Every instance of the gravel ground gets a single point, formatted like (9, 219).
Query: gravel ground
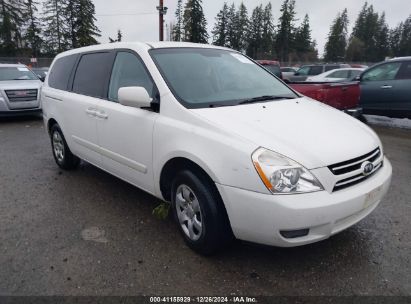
(89, 233)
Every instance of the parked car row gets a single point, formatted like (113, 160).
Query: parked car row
(383, 89)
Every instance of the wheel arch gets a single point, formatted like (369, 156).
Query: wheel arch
(175, 165)
(50, 123)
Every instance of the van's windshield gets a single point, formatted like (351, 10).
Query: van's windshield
(201, 77)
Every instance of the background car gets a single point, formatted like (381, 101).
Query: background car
(315, 69)
(386, 88)
(272, 66)
(287, 72)
(19, 90)
(336, 75)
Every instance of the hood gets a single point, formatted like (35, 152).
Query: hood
(20, 84)
(309, 132)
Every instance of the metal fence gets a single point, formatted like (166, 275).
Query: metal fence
(38, 62)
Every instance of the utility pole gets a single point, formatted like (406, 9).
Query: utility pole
(162, 10)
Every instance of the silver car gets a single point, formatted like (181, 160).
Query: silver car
(19, 90)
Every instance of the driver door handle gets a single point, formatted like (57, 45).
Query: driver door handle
(91, 112)
(102, 115)
(386, 87)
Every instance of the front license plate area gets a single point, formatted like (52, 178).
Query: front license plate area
(371, 197)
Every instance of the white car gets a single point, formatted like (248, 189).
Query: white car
(287, 72)
(19, 90)
(344, 74)
(235, 151)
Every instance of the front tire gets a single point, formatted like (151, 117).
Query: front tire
(61, 152)
(199, 213)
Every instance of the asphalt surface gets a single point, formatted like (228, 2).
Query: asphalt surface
(89, 233)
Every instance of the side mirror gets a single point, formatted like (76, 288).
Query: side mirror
(357, 78)
(296, 74)
(136, 97)
(42, 78)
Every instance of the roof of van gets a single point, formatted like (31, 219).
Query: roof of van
(139, 45)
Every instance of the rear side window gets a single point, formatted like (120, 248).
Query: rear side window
(339, 74)
(315, 70)
(405, 71)
(92, 74)
(331, 67)
(60, 73)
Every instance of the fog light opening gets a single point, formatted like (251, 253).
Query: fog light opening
(292, 234)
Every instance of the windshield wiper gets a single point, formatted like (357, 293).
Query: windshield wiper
(265, 98)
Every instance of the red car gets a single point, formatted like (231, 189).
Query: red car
(343, 96)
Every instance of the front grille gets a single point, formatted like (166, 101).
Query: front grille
(21, 95)
(350, 172)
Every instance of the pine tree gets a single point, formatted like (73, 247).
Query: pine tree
(241, 29)
(365, 30)
(231, 27)
(382, 39)
(55, 32)
(194, 22)
(405, 44)
(336, 44)
(303, 43)
(177, 32)
(355, 50)
(32, 35)
(395, 39)
(85, 27)
(255, 32)
(220, 30)
(286, 30)
(11, 20)
(268, 32)
(119, 37)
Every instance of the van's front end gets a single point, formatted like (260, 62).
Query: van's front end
(303, 206)
(290, 170)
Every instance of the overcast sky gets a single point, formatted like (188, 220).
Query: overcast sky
(138, 19)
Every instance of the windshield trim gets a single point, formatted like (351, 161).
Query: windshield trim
(215, 104)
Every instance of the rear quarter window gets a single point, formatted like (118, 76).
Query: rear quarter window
(60, 73)
(315, 70)
(331, 67)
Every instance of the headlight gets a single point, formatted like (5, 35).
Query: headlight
(282, 175)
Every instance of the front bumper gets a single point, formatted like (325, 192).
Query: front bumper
(259, 218)
(24, 112)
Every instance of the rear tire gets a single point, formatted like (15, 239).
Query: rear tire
(199, 213)
(61, 152)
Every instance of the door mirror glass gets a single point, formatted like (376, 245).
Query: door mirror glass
(136, 97)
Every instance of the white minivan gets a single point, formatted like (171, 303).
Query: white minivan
(235, 151)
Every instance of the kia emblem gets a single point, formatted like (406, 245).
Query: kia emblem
(367, 168)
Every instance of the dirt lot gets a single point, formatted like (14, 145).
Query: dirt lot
(89, 233)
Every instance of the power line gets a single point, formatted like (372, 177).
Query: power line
(124, 14)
